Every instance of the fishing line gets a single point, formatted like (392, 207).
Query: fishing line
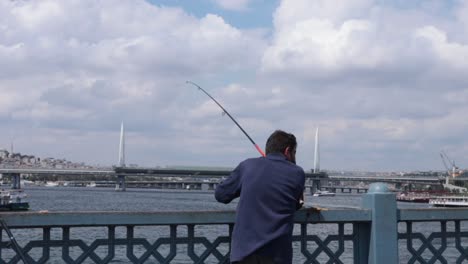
(230, 116)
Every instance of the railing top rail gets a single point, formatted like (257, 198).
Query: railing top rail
(332, 215)
(51, 219)
(306, 215)
(432, 214)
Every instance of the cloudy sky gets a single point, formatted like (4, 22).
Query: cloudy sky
(385, 81)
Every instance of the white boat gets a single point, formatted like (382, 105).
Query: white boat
(51, 184)
(449, 201)
(323, 193)
(28, 183)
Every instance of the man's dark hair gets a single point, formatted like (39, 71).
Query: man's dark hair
(279, 141)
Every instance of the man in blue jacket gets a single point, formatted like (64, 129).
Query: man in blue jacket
(270, 190)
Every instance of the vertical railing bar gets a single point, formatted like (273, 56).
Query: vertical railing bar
(66, 244)
(355, 240)
(341, 239)
(459, 246)
(231, 229)
(173, 245)
(303, 242)
(361, 242)
(1, 243)
(409, 242)
(443, 242)
(191, 242)
(110, 244)
(46, 247)
(130, 235)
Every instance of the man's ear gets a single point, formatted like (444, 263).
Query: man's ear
(287, 152)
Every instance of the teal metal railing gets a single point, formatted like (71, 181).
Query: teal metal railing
(376, 233)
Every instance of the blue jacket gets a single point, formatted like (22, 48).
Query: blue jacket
(269, 190)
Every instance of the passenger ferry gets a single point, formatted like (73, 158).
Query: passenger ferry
(413, 197)
(12, 201)
(449, 201)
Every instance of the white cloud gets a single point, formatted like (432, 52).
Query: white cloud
(452, 53)
(382, 81)
(374, 76)
(317, 40)
(317, 43)
(462, 14)
(85, 65)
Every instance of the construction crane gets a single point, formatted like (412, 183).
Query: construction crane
(451, 171)
(445, 163)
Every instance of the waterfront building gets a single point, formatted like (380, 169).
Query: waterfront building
(4, 153)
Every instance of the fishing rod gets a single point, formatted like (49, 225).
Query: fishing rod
(230, 116)
(16, 246)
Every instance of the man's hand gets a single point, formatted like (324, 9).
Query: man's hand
(316, 208)
(300, 203)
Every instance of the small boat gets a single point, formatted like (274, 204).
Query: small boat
(323, 193)
(449, 201)
(91, 184)
(51, 184)
(11, 201)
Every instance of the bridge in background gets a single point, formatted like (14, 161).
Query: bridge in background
(15, 173)
(333, 183)
(196, 178)
(41, 171)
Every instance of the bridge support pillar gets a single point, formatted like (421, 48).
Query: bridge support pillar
(120, 185)
(383, 246)
(15, 181)
(315, 186)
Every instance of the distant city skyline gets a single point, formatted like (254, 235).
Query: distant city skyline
(384, 81)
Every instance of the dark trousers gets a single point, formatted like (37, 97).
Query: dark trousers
(255, 259)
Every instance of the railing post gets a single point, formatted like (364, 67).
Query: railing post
(383, 248)
(120, 184)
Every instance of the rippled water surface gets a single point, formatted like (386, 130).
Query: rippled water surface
(107, 199)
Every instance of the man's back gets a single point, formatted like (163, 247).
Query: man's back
(269, 190)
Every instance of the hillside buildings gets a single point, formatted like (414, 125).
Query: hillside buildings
(8, 159)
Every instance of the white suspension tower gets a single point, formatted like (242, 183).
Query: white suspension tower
(122, 146)
(317, 154)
